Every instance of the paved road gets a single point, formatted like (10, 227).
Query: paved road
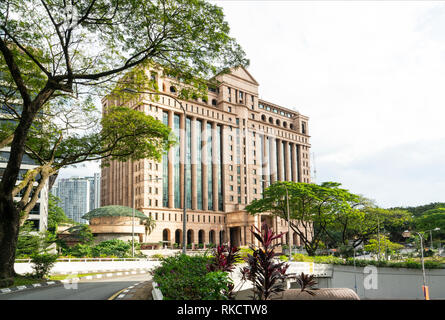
(86, 290)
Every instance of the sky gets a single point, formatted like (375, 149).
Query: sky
(371, 78)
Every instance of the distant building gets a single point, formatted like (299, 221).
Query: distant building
(39, 214)
(78, 195)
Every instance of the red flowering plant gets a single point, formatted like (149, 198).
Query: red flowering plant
(224, 260)
(268, 277)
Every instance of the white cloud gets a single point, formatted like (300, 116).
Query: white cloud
(370, 77)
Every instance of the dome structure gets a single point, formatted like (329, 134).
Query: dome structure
(113, 211)
(116, 222)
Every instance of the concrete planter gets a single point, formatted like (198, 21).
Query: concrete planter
(320, 294)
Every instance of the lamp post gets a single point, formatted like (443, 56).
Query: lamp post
(184, 218)
(425, 287)
(288, 223)
(288, 219)
(134, 210)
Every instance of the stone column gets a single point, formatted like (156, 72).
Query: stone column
(223, 166)
(299, 163)
(194, 146)
(182, 155)
(272, 159)
(287, 161)
(214, 168)
(279, 154)
(266, 163)
(294, 162)
(171, 191)
(205, 189)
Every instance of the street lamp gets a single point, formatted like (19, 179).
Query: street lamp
(134, 210)
(431, 236)
(288, 219)
(288, 222)
(184, 219)
(425, 287)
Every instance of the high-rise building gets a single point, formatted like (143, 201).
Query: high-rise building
(39, 213)
(94, 191)
(78, 195)
(236, 145)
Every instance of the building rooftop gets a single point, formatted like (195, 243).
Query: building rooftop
(113, 211)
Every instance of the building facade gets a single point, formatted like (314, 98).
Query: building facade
(236, 145)
(78, 195)
(39, 213)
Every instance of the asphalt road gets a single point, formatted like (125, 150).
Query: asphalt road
(86, 290)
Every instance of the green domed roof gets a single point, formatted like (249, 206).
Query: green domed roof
(113, 211)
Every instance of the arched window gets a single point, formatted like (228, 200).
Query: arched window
(201, 236)
(213, 102)
(263, 117)
(172, 89)
(270, 120)
(291, 126)
(277, 122)
(285, 124)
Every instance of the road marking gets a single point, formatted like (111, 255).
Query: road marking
(116, 294)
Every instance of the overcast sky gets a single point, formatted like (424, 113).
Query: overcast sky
(371, 77)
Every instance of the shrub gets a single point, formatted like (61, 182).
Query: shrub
(81, 250)
(183, 277)
(42, 264)
(114, 247)
(327, 260)
(302, 257)
(266, 275)
(243, 253)
(157, 256)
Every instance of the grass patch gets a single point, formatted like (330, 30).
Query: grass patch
(20, 280)
(70, 276)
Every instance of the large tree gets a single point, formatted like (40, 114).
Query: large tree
(312, 207)
(430, 220)
(355, 227)
(57, 55)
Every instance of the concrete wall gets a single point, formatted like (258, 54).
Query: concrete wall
(392, 283)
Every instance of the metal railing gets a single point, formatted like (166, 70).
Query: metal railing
(88, 259)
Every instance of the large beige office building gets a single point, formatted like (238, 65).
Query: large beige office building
(237, 144)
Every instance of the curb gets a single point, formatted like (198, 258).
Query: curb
(117, 273)
(157, 293)
(30, 286)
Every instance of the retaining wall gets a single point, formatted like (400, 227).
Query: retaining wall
(391, 283)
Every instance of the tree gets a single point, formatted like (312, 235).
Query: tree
(57, 55)
(382, 244)
(361, 224)
(312, 208)
(149, 225)
(431, 219)
(56, 215)
(31, 241)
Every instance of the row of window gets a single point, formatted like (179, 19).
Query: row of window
(201, 218)
(280, 112)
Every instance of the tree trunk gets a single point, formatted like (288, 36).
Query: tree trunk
(9, 230)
